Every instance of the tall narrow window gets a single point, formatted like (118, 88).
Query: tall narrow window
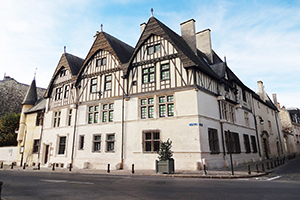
(244, 95)
(213, 141)
(224, 111)
(246, 116)
(93, 115)
(58, 93)
(103, 61)
(81, 142)
(62, 145)
(232, 142)
(70, 117)
(56, 119)
(147, 108)
(148, 75)
(94, 85)
(247, 143)
(166, 106)
(151, 140)
(108, 112)
(110, 142)
(270, 126)
(67, 88)
(39, 119)
(231, 113)
(96, 143)
(165, 72)
(107, 84)
(253, 142)
(36, 145)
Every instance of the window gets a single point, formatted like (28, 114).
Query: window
(148, 75)
(224, 111)
(93, 85)
(63, 72)
(67, 88)
(213, 141)
(253, 143)
(96, 143)
(244, 95)
(165, 72)
(147, 108)
(246, 116)
(93, 114)
(100, 62)
(153, 49)
(270, 126)
(258, 105)
(151, 140)
(166, 106)
(103, 61)
(247, 143)
(36, 144)
(62, 145)
(107, 85)
(58, 93)
(110, 142)
(232, 142)
(108, 112)
(39, 119)
(56, 119)
(70, 117)
(231, 113)
(81, 142)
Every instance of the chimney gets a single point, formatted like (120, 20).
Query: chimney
(275, 100)
(261, 90)
(143, 26)
(188, 33)
(204, 43)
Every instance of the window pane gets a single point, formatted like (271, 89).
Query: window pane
(143, 101)
(165, 66)
(165, 75)
(110, 137)
(157, 48)
(148, 136)
(145, 71)
(170, 98)
(143, 113)
(151, 69)
(151, 78)
(108, 78)
(151, 111)
(170, 110)
(103, 61)
(108, 86)
(105, 107)
(156, 145)
(162, 99)
(162, 110)
(110, 146)
(90, 118)
(156, 135)
(150, 50)
(145, 78)
(147, 146)
(91, 109)
(150, 101)
(98, 62)
(104, 116)
(111, 106)
(97, 137)
(96, 117)
(111, 116)
(94, 81)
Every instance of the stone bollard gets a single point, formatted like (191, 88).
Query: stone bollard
(132, 168)
(248, 169)
(1, 183)
(204, 169)
(262, 167)
(53, 166)
(256, 168)
(108, 168)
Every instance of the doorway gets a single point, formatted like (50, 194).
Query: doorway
(46, 154)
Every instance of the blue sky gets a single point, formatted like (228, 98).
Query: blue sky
(260, 39)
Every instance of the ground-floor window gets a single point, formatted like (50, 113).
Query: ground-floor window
(110, 142)
(151, 140)
(36, 145)
(96, 143)
(213, 141)
(232, 142)
(247, 143)
(62, 145)
(253, 142)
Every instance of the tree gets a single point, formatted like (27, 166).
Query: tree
(165, 152)
(8, 124)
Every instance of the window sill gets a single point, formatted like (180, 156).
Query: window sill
(109, 151)
(96, 151)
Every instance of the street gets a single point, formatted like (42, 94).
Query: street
(282, 184)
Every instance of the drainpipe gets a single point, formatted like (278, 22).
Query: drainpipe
(222, 129)
(255, 123)
(278, 132)
(41, 136)
(74, 132)
(122, 147)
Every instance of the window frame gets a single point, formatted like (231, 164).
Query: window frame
(247, 143)
(93, 86)
(81, 142)
(36, 146)
(162, 76)
(96, 141)
(148, 74)
(107, 112)
(107, 83)
(213, 139)
(164, 103)
(147, 108)
(154, 142)
(58, 93)
(93, 114)
(66, 92)
(56, 119)
(62, 145)
(109, 142)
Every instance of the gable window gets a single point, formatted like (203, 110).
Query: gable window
(62, 145)
(58, 93)
(213, 141)
(153, 49)
(70, 117)
(36, 144)
(247, 143)
(67, 88)
(93, 85)
(165, 72)
(107, 84)
(110, 142)
(232, 142)
(101, 61)
(253, 143)
(166, 106)
(96, 143)
(108, 112)
(56, 119)
(63, 73)
(147, 108)
(93, 114)
(81, 142)
(148, 75)
(151, 140)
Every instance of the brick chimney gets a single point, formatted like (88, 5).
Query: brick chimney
(143, 26)
(188, 33)
(261, 92)
(275, 101)
(203, 40)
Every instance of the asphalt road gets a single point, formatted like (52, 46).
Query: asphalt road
(20, 185)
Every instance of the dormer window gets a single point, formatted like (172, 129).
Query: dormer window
(63, 73)
(100, 62)
(153, 49)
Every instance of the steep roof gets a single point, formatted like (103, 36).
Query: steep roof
(31, 95)
(39, 106)
(74, 63)
(186, 54)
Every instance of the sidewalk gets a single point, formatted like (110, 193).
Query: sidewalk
(241, 171)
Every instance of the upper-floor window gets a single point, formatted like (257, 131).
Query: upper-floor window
(165, 72)
(246, 117)
(70, 117)
(63, 72)
(107, 84)
(258, 105)
(56, 119)
(153, 49)
(148, 75)
(147, 108)
(93, 114)
(93, 85)
(224, 110)
(58, 93)
(108, 112)
(244, 95)
(66, 94)
(101, 61)
(231, 113)
(166, 106)
(270, 126)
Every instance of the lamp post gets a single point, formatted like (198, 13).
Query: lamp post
(22, 150)
(230, 151)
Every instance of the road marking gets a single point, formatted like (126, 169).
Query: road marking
(65, 181)
(273, 178)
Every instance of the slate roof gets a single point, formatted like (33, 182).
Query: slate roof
(31, 95)
(74, 62)
(39, 106)
(186, 54)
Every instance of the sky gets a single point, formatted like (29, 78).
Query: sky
(260, 38)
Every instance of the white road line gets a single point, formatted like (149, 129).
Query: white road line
(65, 181)
(273, 178)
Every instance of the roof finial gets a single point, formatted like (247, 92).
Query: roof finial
(101, 29)
(65, 49)
(34, 74)
(152, 12)
(225, 59)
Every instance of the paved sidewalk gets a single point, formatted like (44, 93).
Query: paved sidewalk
(240, 171)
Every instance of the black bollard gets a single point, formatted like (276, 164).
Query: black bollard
(24, 166)
(248, 169)
(39, 166)
(108, 168)
(204, 169)
(70, 168)
(12, 165)
(53, 166)
(1, 165)
(132, 168)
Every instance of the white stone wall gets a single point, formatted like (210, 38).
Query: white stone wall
(8, 154)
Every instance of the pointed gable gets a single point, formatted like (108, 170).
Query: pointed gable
(185, 53)
(31, 95)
